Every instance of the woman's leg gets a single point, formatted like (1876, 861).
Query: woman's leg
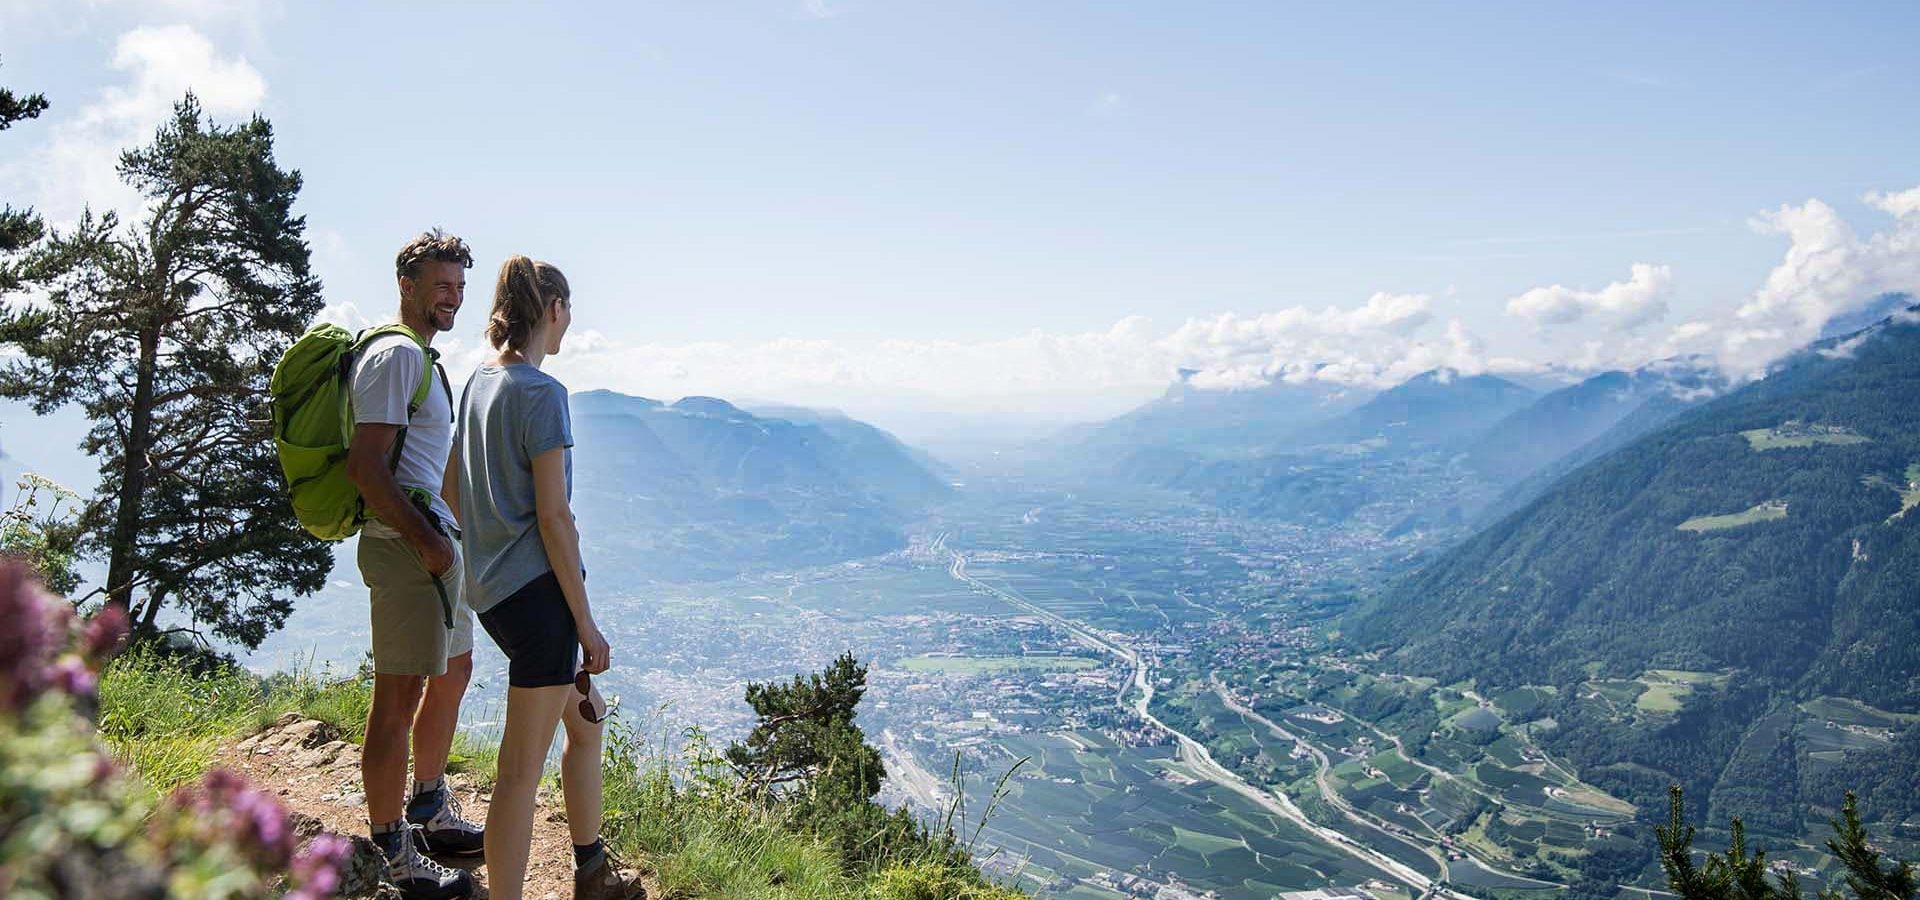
(580, 777)
(531, 716)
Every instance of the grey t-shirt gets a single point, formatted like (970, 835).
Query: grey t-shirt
(385, 376)
(508, 416)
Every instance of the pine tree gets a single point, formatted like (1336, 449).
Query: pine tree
(1734, 874)
(804, 736)
(164, 331)
(18, 227)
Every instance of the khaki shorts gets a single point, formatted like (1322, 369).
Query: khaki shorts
(410, 633)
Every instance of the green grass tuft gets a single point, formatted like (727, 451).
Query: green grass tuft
(164, 715)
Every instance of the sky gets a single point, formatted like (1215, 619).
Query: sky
(1040, 212)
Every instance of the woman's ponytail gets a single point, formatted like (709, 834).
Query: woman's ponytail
(521, 297)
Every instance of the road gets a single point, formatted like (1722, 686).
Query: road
(1192, 752)
(1322, 766)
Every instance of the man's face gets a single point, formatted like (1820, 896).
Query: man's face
(435, 291)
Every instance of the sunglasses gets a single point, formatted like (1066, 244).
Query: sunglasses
(584, 684)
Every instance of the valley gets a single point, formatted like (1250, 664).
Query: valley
(1122, 645)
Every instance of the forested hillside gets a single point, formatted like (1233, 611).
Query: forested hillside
(1728, 603)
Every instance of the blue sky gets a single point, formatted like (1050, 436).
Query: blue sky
(1044, 208)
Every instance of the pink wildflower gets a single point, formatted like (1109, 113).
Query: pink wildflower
(104, 632)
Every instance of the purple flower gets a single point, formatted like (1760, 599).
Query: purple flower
(223, 783)
(104, 632)
(316, 872)
(73, 677)
(28, 639)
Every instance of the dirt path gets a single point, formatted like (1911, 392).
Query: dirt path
(317, 774)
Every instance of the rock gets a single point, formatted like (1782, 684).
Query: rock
(317, 756)
(364, 877)
(304, 826)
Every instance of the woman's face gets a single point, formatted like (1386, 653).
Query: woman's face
(560, 315)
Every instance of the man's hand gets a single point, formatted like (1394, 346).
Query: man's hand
(593, 645)
(438, 556)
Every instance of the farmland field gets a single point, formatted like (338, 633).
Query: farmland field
(1770, 511)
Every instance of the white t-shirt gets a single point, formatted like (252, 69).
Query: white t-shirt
(384, 378)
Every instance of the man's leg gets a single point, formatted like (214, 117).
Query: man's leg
(409, 646)
(438, 718)
(444, 829)
(383, 758)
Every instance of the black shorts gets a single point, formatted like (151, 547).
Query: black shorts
(534, 628)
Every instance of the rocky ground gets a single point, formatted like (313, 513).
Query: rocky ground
(317, 776)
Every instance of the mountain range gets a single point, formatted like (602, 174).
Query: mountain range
(702, 489)
(1435, 452)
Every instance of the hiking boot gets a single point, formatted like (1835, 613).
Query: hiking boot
(441, 828)
(607, 879)
(420, 878)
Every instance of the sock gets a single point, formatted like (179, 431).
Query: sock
(390, 837)
(434, 786)
(587, 853)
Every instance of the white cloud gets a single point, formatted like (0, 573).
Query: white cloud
(1828, 270)
(1897, 204)
(1623, 305)
(75, 168)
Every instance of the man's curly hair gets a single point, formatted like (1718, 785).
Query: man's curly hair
(431, 246)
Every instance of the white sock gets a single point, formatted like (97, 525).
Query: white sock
(428, 787)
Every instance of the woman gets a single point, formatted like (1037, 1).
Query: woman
(511, 479)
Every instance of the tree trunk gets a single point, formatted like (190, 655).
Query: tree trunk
(133, 476)
(149, 611)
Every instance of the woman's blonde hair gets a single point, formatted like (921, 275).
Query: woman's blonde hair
(526, 290)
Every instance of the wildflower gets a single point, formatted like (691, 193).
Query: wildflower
(72, 677)
(104, 769)
(316, 872)
(27, 641)
(104, 633)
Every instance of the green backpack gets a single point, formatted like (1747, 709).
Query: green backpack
(313, 423)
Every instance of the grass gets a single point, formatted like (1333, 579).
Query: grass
(1663, 697)
(1770, 511)
(682, 812)
(986, 665)
(166, 716)
(1795, 434)
(1852, 712)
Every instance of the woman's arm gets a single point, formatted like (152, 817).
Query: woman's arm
(450, 484)
(562, 540)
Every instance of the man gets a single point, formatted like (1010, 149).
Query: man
(422, 626)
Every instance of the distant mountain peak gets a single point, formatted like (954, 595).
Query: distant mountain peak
(710, 406)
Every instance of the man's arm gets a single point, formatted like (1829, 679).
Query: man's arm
(367, 468)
